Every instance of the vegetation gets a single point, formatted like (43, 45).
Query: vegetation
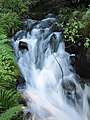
(10, 15)
(76, 26)
(9, 22)
(8, 73)
(10, 113)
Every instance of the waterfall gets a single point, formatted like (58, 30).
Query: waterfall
(52, 89)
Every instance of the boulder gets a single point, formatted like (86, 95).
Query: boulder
(22, 101)
(82, 64)
(20, 81)
(23, 45)
(55, 27)
(68, 85)
(20, 34)
(30, 24)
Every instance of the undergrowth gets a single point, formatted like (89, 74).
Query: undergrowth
(76, 25)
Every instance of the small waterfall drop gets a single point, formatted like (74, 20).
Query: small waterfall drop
(52, 89)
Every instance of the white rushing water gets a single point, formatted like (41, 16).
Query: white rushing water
(52, 89)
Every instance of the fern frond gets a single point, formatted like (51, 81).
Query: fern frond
(8, 98)
(10, 113)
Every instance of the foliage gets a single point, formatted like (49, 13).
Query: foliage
(8, 73)
(87, 42)
(8, 67)
(11, 12)
(77, 26)
(86, 23)
(11, 5)
(71, 30)
(18, 6)
(10, 113)
(8, 99)
(9, 22)
(10, 15)
(64, 14)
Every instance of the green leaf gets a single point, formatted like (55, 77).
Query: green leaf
(8, 98)
(10, 113)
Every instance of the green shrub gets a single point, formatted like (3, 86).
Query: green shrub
(10, 15)
(8, 99)
(8, 67)
(18, 6)
(77, 28)
(86, 22)
(8, 73)
(64, 14)
(9, 22)
(71, 30)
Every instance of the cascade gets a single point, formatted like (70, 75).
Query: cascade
(52, 89)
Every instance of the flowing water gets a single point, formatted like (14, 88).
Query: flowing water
(52, 89)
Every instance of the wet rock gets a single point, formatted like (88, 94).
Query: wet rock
(27, 116)
(23, 45)
(19, 35)
(22, 101)
(50, 15)
(55, 28)
(20, 81)
(30, 24)
(73, 58)
(69, 89)
(53, 43)
(46, 23)
(83, 63)
(85, 81)
(88, 100)
(68, 85)
(72, 48)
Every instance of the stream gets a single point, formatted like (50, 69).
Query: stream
(52, 89)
